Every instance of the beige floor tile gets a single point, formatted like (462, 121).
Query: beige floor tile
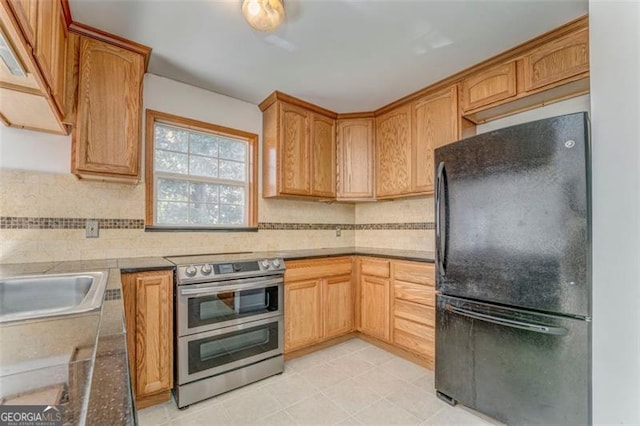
(380, 382)
(426, 382)
(352, 364)
(251, 406)
(212, 415)
(374, 355)
(416, 401)
(322, 376)
(455, 416)
(278, 418)
(290, 390)
(384, 412)
(349, 421)
(318, 409)
(354, 345)
(153, 416)
(351, 395)
(403, 369)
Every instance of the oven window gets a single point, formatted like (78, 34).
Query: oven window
(225, 306)
(226, 348)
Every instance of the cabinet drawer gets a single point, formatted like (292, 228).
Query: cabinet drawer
(421, 273)
(412, 292)
(415, 337)
(425, 315)
(377, 268)
(316, 268)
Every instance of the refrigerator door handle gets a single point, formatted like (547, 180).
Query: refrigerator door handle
(440, 235)
(537, 328)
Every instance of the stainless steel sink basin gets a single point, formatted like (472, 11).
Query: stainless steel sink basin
(38, 296)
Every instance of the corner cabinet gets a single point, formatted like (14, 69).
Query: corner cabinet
(355, 145)
(106, 139)
(148, 301)
(393, 152)
(318, 298)
(299, 149)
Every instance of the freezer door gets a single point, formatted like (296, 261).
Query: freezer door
(515, 366)
(513, 216)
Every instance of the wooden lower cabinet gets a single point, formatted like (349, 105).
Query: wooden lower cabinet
(148, 300)
(374, 307)
(303, 315)
(318, 299)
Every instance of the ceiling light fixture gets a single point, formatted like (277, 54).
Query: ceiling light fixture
(263, 15)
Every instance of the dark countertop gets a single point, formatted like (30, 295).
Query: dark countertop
(110, 397)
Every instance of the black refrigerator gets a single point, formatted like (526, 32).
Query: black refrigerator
(513, 268)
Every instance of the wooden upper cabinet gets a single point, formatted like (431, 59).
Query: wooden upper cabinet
(26, 12)
(295, 172)
(435, 123)
(323, 156)
(299, 149)
(557, 61)
(106, 140)
(355, 158)
(393, 152)
(50, 46)
(489, 86)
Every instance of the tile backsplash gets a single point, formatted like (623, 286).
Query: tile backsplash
(42, 218)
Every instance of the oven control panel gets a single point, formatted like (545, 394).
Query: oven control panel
(202, 272)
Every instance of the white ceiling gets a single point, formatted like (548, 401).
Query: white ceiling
(344, 55)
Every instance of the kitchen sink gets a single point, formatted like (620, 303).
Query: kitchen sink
(39, 296)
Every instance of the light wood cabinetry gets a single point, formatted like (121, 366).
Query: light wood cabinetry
(318, 301)
(355, 144)
(148, 300)
(36, 33)
(494, 84)
(414, 308)
(323, 156)
(393, 152)
(299, 150)
(106, 139)
(435, 119)
(374, 290)
(557, 61)
(303, 314)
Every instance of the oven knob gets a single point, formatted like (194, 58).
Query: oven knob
(206, 269)
(275, 263)
(237, 267)
(190, 271)
(265, 264)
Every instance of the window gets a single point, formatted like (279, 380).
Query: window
(199, 175)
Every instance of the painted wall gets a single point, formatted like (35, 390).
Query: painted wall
(615, 124)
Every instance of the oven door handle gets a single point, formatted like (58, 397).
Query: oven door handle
(204, 290)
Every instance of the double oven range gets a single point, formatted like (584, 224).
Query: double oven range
(229, 323)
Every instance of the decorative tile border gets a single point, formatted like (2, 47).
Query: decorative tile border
(9, 222)
(112, 294)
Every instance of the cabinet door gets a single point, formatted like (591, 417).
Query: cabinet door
(107, 136)
(557, 61)
(374, 306)
(435, 123)
(323, 156)
(488, 86)
(154, 332)
(295, 171)
(50, 47)
(355, 158)
(338, 306)
(26, 11)
(393, 152)
(302, 319)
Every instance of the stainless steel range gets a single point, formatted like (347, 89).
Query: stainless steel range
(229, 323)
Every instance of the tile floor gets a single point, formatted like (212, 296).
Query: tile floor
(353, 383)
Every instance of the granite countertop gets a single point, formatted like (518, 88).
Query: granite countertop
(109, 396)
